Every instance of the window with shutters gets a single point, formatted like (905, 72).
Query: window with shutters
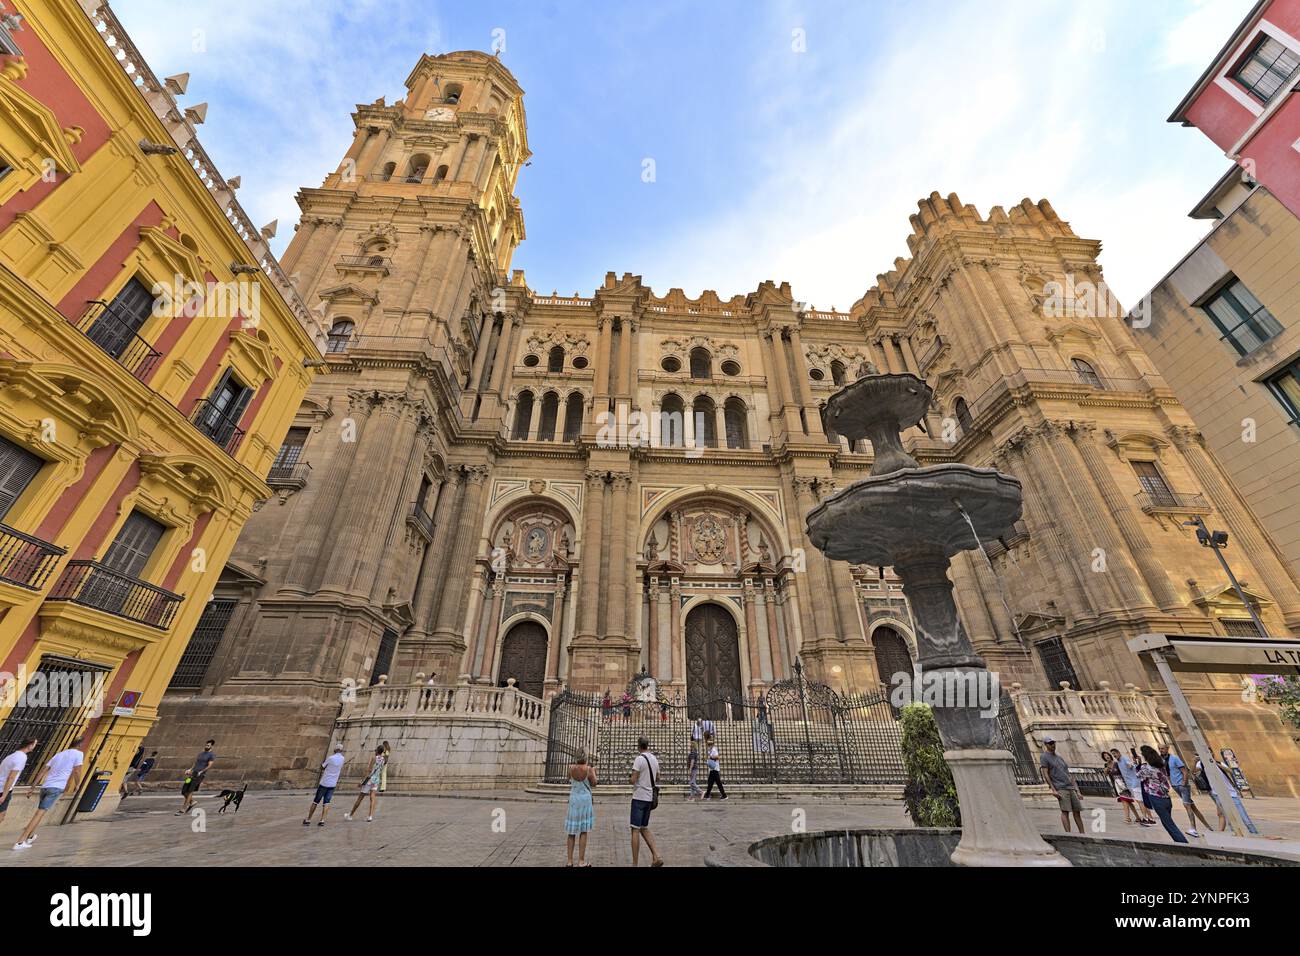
(1242, 319)
(18, 467)
(201, 649)
(134, 545)
(1266, 68)
(218, 415)
(115, 328)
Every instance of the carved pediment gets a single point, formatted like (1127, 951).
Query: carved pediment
(256, 351)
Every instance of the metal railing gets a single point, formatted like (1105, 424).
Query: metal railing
(364, 262)
(93, 585)
(213, 423)
(25, 560)
(1171, 500)
(103, 325)
(1051, 376)
(295, 474)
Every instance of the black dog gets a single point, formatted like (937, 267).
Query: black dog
(232, 796)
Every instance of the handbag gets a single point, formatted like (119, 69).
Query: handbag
(654, 787)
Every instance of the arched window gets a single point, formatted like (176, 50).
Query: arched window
(962, 411)
(440, 175)
(389, 169)
(523, 417)
(837, 372)
(671, 426)
(452, 95)
(340, 335)
(419, 166)
(550, 413)
(733, 414)
(555, 363)
(573, 417)
(701, 363)
(1086, 374)
(706, 422)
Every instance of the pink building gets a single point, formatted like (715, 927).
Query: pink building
(1248, 100)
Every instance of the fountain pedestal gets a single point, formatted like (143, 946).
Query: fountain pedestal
(915, 519)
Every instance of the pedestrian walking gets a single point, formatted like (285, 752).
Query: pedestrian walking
(693, 772)
(369, 785)
(1233, 795)
(194, 776)
(1129, 774)
(1181, 781)
(645, 797)
(1155, 783)
(61, 773)
(131, 784)
(1111, 767)
(714, 763)
(330, 769)
(11, 768)
(581, 815)
(1056, 774)
(383, 771)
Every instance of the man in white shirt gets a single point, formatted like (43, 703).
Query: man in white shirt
(11, 769)
(330, 769)
(61, 773)
(644, 779)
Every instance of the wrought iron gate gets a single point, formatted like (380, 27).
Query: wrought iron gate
(799, 731)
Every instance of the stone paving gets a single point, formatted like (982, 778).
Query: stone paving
(480, 829)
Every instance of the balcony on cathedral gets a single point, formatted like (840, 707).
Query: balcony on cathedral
(289, 474)
(1164, 501)
(364, 263)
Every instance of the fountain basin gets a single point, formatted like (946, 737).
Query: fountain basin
(924, 846)
(883, 519)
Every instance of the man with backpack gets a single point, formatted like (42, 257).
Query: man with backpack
(645, 797)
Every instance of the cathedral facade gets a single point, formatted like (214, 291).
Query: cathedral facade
(495, 484)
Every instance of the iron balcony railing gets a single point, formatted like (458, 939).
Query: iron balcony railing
(93, 585)
(424, 521)
(364, 262)
(212, 421)
(295, 473)
(24, 560)
(107, 328)
(1171, 500)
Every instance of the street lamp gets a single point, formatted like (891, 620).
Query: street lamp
(1216, 541)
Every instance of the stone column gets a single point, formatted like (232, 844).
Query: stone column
(780, 669)
(909, 356)
(844, 591)
(820, 603)
(450, 619)
(445, 520)
(304, 569)
(812, 414)
(675, 630)
(751, 635)
(1121, 510)
(1240, 523)
(616, 615)
(589, 567)
(624, 388)
(535, 419)
(604, 341)
(776, 388)
(503, 353)
(493, 627)
(887, 352)
(371, 152)
(652, 633)
(481, 354)
(557, 636)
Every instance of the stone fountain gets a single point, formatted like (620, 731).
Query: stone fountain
(915, 519)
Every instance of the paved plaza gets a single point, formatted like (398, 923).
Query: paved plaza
(482, 829)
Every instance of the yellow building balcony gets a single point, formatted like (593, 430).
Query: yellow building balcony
(25, 564)
(93, 585)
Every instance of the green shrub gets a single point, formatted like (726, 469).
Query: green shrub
(930, 795)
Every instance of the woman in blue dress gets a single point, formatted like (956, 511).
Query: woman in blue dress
(582, 814)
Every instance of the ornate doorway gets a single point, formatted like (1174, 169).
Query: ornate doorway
(712, 662)
(523, 657)
(892, 656)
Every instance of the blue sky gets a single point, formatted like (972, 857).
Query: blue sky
(770, 161)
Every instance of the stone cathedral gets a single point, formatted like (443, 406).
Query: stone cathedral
(495, 484)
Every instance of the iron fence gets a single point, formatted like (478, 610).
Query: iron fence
(798, 731)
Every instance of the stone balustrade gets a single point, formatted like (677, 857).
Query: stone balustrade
(1086, 722)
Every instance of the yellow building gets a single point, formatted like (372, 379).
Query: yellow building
(152, 357)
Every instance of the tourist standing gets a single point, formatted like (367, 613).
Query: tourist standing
(714, 763)
(645, 771)
(383, 771)
(330, 769)
(1117, 785)
(1128, 772)
(1182, 784)
(581, 816)
(138, 773)
(1056, 774)
(11, 768)
(1155, 784)
(606, 706)
(62, 772)
(194, 776)
(369, 784)
(693, 772)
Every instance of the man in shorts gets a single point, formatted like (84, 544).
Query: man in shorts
(330, 770)
(132, 783)
(1181, 781)
(11, 768)
(1056, 774)
(645, 774)
(61, 773)
(194, 776)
